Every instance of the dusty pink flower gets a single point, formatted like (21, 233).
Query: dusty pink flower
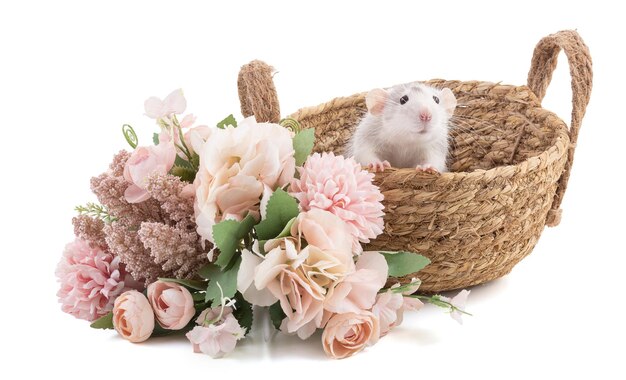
(341, 186)
(358, 290)
(172, 304)
(145, 162)
(216, 335)
(90, 280)
(174, 103)
(349, 333)
(133, 317)
(235, 166)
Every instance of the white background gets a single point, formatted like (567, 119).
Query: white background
(72, 73)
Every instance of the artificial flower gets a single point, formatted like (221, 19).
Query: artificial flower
(133, 317)
(217, 333)
(358, 290)
(349, 333)
(90, 280)
(339, 185)
(172, 304)
(144, 162)
(174, 103)
(235, 166)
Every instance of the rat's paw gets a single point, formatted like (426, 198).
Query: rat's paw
(379, 166)
(426, 169)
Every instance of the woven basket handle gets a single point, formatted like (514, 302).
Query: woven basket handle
(257, 93)
(541, 69)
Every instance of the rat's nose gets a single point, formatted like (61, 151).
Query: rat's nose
(425, 116)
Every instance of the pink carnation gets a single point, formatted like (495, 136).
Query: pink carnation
(341, 186)
(90, 280)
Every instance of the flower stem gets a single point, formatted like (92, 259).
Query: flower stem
(437, 301)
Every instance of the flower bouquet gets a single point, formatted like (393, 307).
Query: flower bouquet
(192, 231)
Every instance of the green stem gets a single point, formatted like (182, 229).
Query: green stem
(437, 301)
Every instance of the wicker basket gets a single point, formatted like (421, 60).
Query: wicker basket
(509, 165)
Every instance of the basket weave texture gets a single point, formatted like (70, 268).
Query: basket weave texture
(509, 162)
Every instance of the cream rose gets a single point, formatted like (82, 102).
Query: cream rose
(133, 317)
(236, 164)
(172, 304)
(346, 334)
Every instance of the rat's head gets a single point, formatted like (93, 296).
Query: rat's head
(413, 110)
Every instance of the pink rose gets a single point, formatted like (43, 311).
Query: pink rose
(235, 166)
(144, 162)
(133, 317)
(359, 289)
(91, 278)
(346, 334)
(172, 304)
(216, 335)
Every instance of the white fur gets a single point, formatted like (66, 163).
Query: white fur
(399, 136)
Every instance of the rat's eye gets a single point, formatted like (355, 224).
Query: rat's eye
(436, 99)
(404, 99)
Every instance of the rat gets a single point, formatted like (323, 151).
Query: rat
(406, 126)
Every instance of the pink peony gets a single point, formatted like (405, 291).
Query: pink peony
(358, 290)
(216, 334)
(144, 162)
(172, 304)
(341, 186)
(236, 165)
(90, 280)
(347, 334)
(133, 318)
(174, 103)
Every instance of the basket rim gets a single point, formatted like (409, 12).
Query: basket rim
(549, 155)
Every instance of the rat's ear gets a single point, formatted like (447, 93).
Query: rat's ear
(448, 101)
(375, 101)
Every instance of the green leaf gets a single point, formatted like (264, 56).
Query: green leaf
(184, 172)
(160, 331)
(227, 280)
(199, 297)
(281, 209)
(243, 312)
(229, 120)
(179, 161)
(193, 284)
(403, 263)
(155, 138)
(277, 315)
(105, 322)
(303, 145)
(227, 235)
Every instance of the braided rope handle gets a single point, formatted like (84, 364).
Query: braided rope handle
(542, 66)
(257, 93)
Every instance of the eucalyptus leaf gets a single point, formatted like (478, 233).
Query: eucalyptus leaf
(227, 235)
(303, 145)
(280, 211)
(105, 322)
(155, 138)
(403, 263)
